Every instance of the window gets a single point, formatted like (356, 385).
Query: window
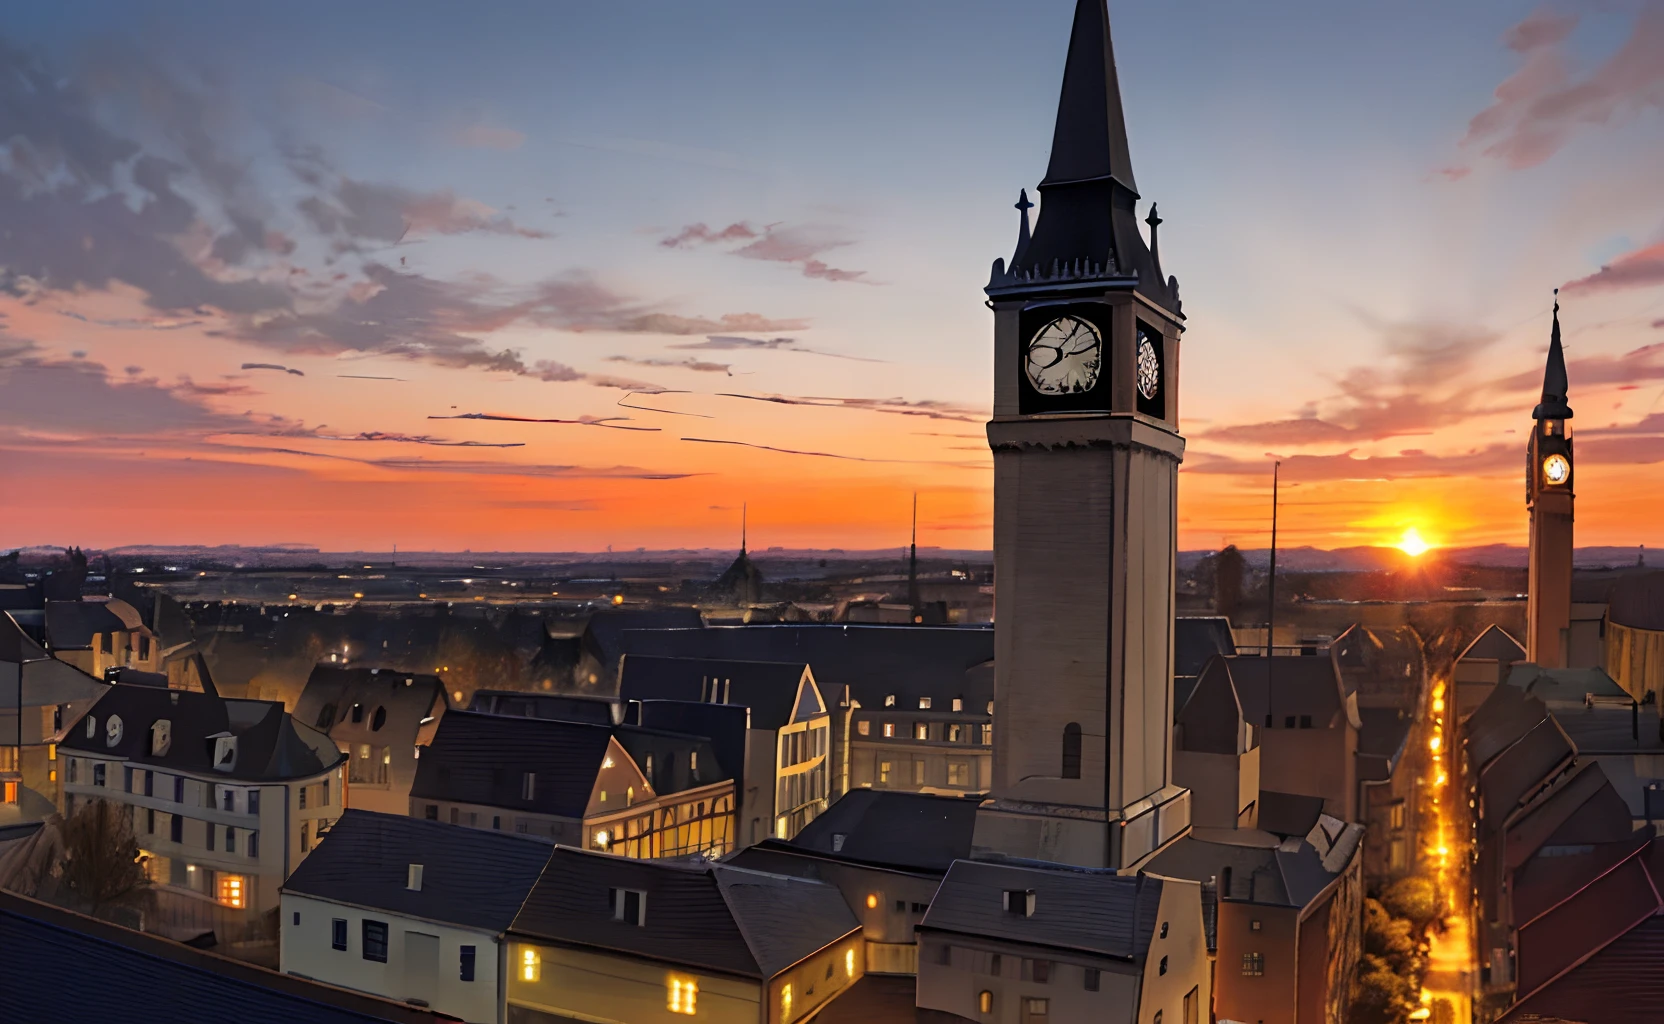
(1254, 925)
(357, 713)
(918, 773)
(693, 761)
(1071, 751)
(889, 730)
(884, 770)
(431, 812)
(456, 815)
(987, 735)
(378, 719)
(323, 792)
(944, 955)
(1035, 1010)
(305, 843)
(230, 839)
(297, 919)
(863, 727)
(302, 792)
(338, 933)
(649, 769)
(375, 941)
(178, 789)
(1037, 971)
(176, 829)
(956, 734)
(1019, 901)
(1305, 721)
(228, 799)
(959, 773)
(901, 906)
(1192, 1005)
(1164, 929)
(1092, 980)
(1253, 964)
(1163, 968)
(985, 1001)
(994, 965)
(98, 774)
(889, 700)
(326, 717)
(629, 906)
(924, 703)
(467, 963)
(531, 965)
(232, 890)
(849, 962)
(958, 704)
(150, 820)
(1397, 816)
(785, 1002)
(413, 877)
(681, 995)
(528, 785)
(497, 822)
(254, 845)
(1288, 722)
(921, 730)
(126, 779)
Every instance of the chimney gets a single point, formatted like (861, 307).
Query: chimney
(413, 880)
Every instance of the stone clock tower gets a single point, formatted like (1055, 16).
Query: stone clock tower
(1548, 496)
(1086, 456)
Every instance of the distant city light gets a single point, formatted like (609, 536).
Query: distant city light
(1435, 743)
(618, 599)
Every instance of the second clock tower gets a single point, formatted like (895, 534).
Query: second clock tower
(1086, 456)
(1548, 497)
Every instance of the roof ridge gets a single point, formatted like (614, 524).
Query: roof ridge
(740, 923)
(1586, 957)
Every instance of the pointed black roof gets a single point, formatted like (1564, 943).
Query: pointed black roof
(1553, 406)
(1088, 227)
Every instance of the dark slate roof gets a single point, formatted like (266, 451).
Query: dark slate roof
(559, 706)
(1583, 797)
(45, 680)
(472, 878)
(698, 915)
(874, 999)
(15, 644)
(134, 677)
(1637, 601)
(1079, 909)
(872, 661)
(1612, 728)
(670, 754)
(1295, 685)
(1544, 882)
(1495, 644)
(1506, 715)
(1289, 873)
(1211, 718)
(1198, 638)
(768, 688)
(1619, 983)
(914, 831)
(723, 724)
(271, 745)
(1610, 905)
(60, 966)
(338, 687)
(71, 625)
(1518, 772)
(479, 759)
(606, 629)
(1288, 814)
(1562, 687)
(1382, 737)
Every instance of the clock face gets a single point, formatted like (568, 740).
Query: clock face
(1149, 367)
(1064, 357)
(1556, 469)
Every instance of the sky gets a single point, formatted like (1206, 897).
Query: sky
(561, 276)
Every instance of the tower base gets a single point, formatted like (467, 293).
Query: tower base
(1082, 836)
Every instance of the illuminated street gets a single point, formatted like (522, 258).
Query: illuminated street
(1448, 986)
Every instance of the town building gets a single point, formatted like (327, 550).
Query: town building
(226, 797)
(886, 852)
(1216, 751)
(97, 636)
(1288, 932)
(378, 718)
(414, 911)
(788, 756)
(577, 783)
(1308, 726)
(1483, 666)
(880, 683)
(41, 697)
(1634, 638)
(1041, 943)
(654, 942)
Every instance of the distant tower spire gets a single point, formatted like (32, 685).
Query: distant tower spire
(743, 509)
(1555, 387)
(913, 561)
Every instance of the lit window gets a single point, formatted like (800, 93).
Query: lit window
(849, 962)
(531, 965)
(602, 839)
(884, 770)
(985, 1002)
(231, 891)
(786, 1002)
(921, 730)
(872, 901)
(1253, 964)
(889, 729)
(958, 704)
(889, 702)
(682, 995)
(864, 728)
(924, 703)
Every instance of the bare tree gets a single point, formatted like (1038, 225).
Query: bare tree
(102, 871)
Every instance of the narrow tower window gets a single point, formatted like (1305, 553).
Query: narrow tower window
(1071, 751)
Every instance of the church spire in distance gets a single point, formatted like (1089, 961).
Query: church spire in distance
(1088, 226)
(1555, 387)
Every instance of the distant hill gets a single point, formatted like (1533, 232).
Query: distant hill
(1360, 559)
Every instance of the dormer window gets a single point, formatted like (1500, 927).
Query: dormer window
(413, 878)
(924, 703)
(161, 737)
(630, 906)
(528, 785)
(92, 726)
(1019, 901)
(225, 753)
(890, 700)
(958, 704)
(112, 730)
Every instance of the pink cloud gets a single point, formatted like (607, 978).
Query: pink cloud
(1639, 269)
(801, 246)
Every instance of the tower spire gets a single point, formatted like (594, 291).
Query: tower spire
(744, 507)
(1555, 387)
(1023, 234)
(913, 561)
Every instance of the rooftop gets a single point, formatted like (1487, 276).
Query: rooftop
(913, 831)
(1077, 909)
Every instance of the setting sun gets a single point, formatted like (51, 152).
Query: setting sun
(1412, 544)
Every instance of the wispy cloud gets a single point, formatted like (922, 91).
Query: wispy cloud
(1643, 268)
(792, 451)
(274, 366)
(612, 422)
(696, 365)
(731, 343)
(1537, 109)
(801, 246)
(928, 408)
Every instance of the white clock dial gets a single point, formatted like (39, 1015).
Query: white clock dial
(1556, 469)
(1064, 357)
(1149, 367)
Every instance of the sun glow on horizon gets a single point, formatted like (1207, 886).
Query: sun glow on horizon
(1412, 544)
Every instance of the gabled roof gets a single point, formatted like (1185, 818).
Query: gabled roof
(1288, 814)
(1545, 882)
(1494, 644)
(61, 966)
(679, 761)
(1506, 715)
(480, 759)
(913, 831)
(1211, 718)
(698, 915)
(1078, 909)
(1293, 685)
(561, 706)
(872, 661)
(1255, 866)
(770, 689)
(472, 878)
(1381, 741)
(724, 725)
(331, 690)
(1517, 773)
(1584, 799)
(71, 625)
(1196, 638)
(271, 745)
(1603, 910)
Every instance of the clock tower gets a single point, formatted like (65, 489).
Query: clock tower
(1548, 497)
(1086, 456)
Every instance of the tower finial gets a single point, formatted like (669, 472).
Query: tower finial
(1023, 205)
(1154, 220)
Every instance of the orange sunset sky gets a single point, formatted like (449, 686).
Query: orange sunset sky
(564, 278)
